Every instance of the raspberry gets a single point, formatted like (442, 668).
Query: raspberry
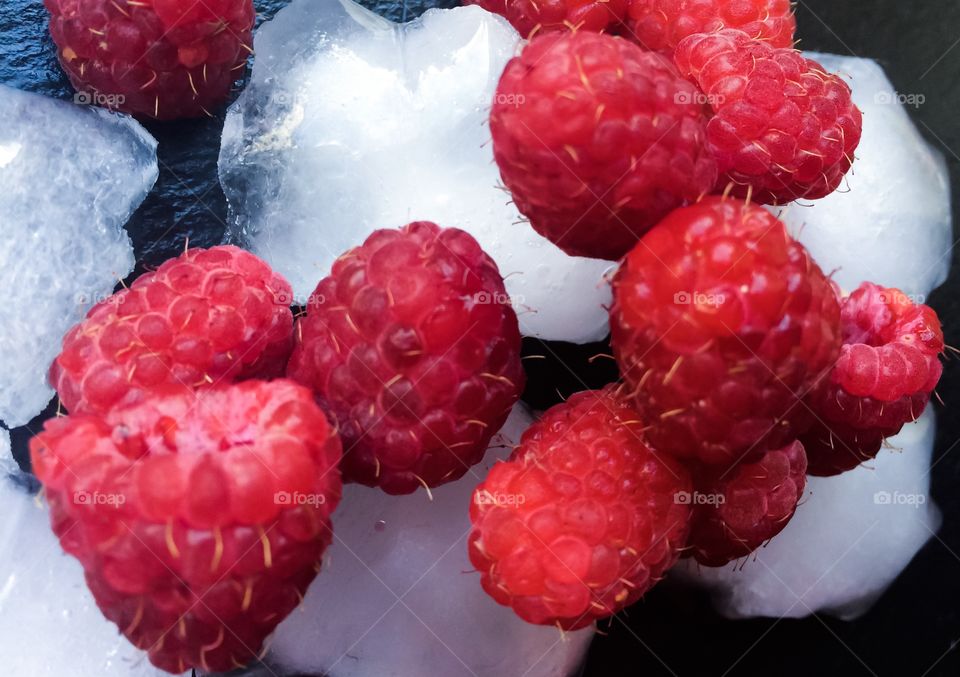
(206, 316)
(888, 366)
(746, 506)
(661, 24)
(583, 518)
(162, 59)
(530, 17)
(783, 128)
(199, 517)
(720, 322)
(597, 140)
(412, 346)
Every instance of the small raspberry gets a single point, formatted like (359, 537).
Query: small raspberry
(162, 59)
(661, 24)
(412, 346)
(207, 316)
(597, 140)
(888, 367)
(583, 518)
(531, 17)
(199, 517)
(720, 321)
(746, 506)
(783, 128)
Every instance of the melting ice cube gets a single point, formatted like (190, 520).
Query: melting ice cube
(70, 176)
(352, 123)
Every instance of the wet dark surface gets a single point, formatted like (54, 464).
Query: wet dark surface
(914, 627)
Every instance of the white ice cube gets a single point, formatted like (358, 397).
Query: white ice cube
(352, 123)
(850, 538)
(70, 176)
(889, 222)
(398, 595)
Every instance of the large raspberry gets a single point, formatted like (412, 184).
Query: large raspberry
(738, 510)
(583, 518)
(531, 17)
(889, 364)
(207, 316)
(720, 322)
(661, 24)
(199, 517)
(163, 59)
(597, 140)
(783, 128)
(412, 346)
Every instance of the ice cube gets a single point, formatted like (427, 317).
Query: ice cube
(351, 123)
(49, 624)
(70, 176)
(890, 220)
(850, 538)
(398, 595)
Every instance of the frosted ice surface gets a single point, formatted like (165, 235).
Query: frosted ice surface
(352, 123)
(49, 623)
(849, 539)
(890, 220)
(7, 462)
(398, 595)
(70, 176)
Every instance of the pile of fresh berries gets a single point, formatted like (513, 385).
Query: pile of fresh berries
(642, 131)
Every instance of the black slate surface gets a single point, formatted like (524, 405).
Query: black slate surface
(915, 627)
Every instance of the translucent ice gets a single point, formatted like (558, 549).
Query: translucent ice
(49, 623)
(399, 597)
(890, 220)
(850, 538)
(70, 176)
(351, 123)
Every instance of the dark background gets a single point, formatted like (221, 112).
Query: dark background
(915, 627)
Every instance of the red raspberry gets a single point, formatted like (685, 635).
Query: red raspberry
(889, 364)
(530, 17)
(583, 518)
(661, 24)
(412, 346)
(720, 322)
(199, 517)
(745, 507)
(206, 316)
(597, 140)
(783, 127)
(163, 59)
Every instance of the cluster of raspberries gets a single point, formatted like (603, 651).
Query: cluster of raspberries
(209, 429)
(647, 132)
